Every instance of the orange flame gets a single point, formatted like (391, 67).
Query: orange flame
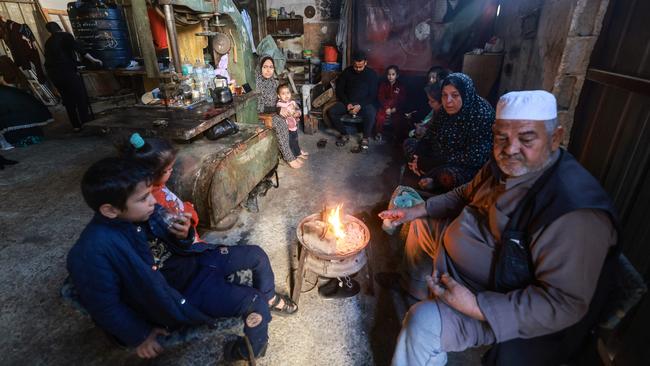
(335, 223)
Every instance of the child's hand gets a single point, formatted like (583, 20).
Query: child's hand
(181, 227)
(150, 348)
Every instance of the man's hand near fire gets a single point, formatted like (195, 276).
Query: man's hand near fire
(399, 216)
(452, 293)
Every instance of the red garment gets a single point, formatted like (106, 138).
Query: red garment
(158, 30)
(169, 199)
(390, 96)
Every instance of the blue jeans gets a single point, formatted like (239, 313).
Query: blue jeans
(419, 341)
(211, 293)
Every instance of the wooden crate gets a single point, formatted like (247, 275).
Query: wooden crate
(311, 125)
(267, 119)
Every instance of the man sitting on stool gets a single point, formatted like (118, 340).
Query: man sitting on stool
(513, 257)
(356, 91)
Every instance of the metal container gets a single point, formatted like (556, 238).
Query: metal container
(338, 256)
(218, 175)
(341, 264)
(102, 30)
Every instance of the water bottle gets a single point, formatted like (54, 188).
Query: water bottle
(186, 68)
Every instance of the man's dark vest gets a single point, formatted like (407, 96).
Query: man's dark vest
(564, 187)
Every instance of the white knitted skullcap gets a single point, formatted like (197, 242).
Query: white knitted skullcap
(532, 105)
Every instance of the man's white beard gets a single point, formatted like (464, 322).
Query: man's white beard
(522, 169)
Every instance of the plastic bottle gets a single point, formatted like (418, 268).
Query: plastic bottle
(199, 79)
(208, 80)
(186, 67)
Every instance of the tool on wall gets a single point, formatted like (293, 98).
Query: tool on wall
(234, 48)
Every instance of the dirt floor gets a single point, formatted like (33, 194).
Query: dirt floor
(43, 213)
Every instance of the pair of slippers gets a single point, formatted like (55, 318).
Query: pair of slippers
(362, 147)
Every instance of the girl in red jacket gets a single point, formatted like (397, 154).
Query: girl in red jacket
(392, 97)
(159, 155)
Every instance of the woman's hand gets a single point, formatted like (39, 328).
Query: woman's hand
(420, 130)
(413, 166)
(426, 183)
(284, 112)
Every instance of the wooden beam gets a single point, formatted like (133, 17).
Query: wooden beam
(622, 81)
(55, 11)
(18, 1)
(141, 21)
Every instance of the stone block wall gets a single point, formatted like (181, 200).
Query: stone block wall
(556, 54)
(586, 23)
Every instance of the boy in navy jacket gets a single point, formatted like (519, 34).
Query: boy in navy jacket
(139, 277)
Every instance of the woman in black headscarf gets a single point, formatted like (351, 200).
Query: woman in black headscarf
(266, 86)
(458, 141)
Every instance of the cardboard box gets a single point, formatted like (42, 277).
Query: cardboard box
(311, 125)
(484, 70)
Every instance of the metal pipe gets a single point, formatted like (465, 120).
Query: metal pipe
(172, 35)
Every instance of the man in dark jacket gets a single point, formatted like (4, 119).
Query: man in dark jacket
(61, 51)
(356, 91)
(139, 275)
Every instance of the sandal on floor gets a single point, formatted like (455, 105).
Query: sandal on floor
(364, 143)
(342, 140)
(287, 308)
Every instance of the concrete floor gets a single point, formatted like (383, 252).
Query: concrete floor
(43, 213)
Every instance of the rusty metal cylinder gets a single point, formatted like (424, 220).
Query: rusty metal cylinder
(216, 176)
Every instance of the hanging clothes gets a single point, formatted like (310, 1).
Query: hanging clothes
(158, 30)
(249, 28)
(22, 43)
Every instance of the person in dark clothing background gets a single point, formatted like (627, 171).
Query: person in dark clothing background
(61, 66)
(356, 91)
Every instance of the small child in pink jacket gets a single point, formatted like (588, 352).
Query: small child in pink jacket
(292, 112)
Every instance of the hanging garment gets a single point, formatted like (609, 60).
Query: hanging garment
(22, 44)
(158, 30)
(249, 27)
(12, 73)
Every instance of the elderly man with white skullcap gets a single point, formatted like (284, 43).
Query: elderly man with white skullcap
(512, 258)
